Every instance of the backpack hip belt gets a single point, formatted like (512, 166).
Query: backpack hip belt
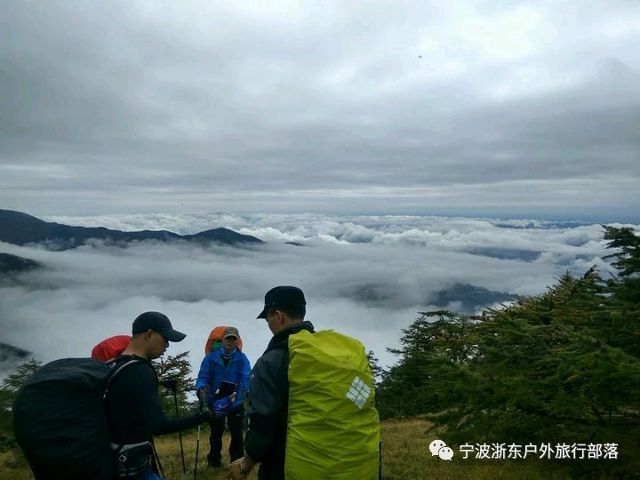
(132, 458)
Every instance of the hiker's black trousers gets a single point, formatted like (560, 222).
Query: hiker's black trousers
(236, 448)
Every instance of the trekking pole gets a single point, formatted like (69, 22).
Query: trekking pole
(195, 469)
(380, 460)
(156, 459)
(175, 399)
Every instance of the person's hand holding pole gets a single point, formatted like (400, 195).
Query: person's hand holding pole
(171, 383)
(200, 411)
(201, 393)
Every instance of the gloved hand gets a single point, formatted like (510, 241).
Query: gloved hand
(201, 393)
(204, 415)
(170, 383)
(222, 405)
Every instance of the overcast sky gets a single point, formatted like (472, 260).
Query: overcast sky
(509, 108)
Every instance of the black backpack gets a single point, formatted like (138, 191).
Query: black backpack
(60, 420)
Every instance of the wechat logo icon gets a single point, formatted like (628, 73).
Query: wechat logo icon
(440, 449)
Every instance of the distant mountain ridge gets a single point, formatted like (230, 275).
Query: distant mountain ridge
(459, 297)
(20, 229)
(470, 297)
(9, 352)
(14, 264)
(11, 357)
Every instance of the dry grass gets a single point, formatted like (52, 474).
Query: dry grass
(405, 456)
(13, 466)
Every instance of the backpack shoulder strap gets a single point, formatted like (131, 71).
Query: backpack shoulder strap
(115, 368)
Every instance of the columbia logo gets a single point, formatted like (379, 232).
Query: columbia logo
(359, 392)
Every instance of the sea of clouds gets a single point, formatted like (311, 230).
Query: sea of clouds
(366, 276)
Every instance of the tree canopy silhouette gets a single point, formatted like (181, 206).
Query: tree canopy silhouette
(563, 366)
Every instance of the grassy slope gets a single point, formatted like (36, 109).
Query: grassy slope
(405, 456)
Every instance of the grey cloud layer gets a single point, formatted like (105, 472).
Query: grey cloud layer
(133, 106)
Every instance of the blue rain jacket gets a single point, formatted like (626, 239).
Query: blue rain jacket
(213, 372)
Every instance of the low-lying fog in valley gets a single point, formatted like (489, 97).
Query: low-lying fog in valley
(365, 276)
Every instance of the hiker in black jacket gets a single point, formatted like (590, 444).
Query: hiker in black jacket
(133, 405)
(284, 311)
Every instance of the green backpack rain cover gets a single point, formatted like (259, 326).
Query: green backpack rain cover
(333, 427)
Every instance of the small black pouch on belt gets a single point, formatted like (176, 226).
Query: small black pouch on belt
(131, 459)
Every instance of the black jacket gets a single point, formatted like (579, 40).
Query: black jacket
(269, 403)
(133, 405)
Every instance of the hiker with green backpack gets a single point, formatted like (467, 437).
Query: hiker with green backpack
(311, 401)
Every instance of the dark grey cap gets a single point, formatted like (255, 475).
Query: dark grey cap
(158, 322)
(230, 332)
(283, 296)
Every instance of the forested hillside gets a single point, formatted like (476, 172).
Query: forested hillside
(562, 367)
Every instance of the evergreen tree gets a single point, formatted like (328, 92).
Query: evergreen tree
(175, 368)
(436, 340)
(376, 370)
(559, 367)
(8, 390)
(625, 289)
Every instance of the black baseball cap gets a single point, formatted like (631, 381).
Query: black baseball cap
(158, 322)
(283, 296)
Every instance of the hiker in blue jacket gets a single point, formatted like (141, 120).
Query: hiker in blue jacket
(229, 365)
